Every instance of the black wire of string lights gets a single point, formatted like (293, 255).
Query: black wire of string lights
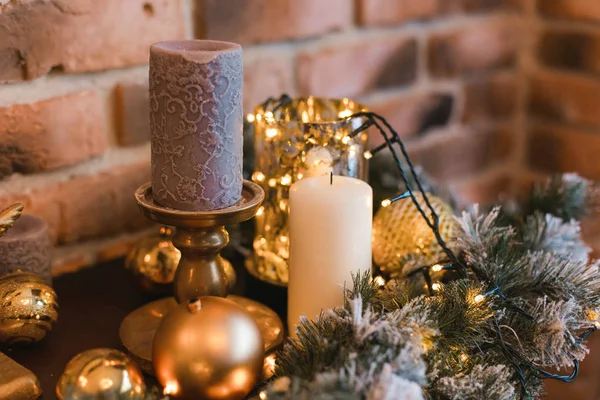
(391, 138)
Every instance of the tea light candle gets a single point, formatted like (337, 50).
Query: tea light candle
(330, 238)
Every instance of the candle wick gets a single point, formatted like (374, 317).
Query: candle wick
(331, 178)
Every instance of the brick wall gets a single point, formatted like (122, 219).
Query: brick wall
(451, 75)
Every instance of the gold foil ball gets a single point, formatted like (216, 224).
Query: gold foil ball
(101, 374)
(208, 348)
(28, 308)
(400, 232)
(154, 260)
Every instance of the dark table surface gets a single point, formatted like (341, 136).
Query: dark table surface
(93, 302)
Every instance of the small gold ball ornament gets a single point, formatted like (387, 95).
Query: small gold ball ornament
(153, 262)
(208, 348)
(99, 374)
(400, 232)
(28, 308)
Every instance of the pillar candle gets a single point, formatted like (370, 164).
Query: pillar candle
(196, 122)
(330, 239)
(26, 246)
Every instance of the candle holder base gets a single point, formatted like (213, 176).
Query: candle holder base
(139, 327)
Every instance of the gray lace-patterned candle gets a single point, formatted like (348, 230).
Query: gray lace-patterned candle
(196, 121)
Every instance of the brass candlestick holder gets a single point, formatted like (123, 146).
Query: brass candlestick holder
(200, 236)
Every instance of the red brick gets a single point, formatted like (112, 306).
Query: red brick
(492, 5)
(491, 97)
(572, 50)
(353, 69)
(267, 77)
(561, 149)
(82, 35)
(459, 154)
(132, 110)
(88, 206)
(51, 133)
(584, 10)
(563, 98)
(486, 191)
(412, 115)
(390, 12)
(253, 21)
(484, 46)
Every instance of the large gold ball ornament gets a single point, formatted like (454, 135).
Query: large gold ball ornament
(100, 374)
(153, 262)
(28, 308)
(208, 348)
(400, 232)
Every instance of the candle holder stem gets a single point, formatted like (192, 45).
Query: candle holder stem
(201, 269)
(200, 236)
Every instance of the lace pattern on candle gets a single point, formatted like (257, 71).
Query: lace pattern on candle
(196, 126)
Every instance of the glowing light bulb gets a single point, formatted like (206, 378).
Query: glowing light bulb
(272, 182)
(463, 357)
(436, 286)
(379, 280)
(437, 268)
(479, 298)
(261, 211)
(386, 203)
(367, 155)
(171, 388)
(345, 113)
(263, 395)
(283, 239)
(258, 176)
(250, 118)
(286, 180)
(272, 132)
(346, 139)
(300, 176)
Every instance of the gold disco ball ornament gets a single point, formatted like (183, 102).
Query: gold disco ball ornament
(208, 348)
(400, 233)
(101, 374)
(28, 308)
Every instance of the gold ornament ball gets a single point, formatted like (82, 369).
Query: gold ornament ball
(28, 308)
(100, 374)
(154, 260)
(208, 348)
(399, 231)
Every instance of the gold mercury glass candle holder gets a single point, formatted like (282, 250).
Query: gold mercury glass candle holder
(300, 138)
(200, 236)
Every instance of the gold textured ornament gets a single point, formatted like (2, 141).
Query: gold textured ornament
(17, 382)
(100, 374)
(400, 232)
(9, 216)
(28, 308)
(208, 348)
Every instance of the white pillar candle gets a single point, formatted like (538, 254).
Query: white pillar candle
(330, 239)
